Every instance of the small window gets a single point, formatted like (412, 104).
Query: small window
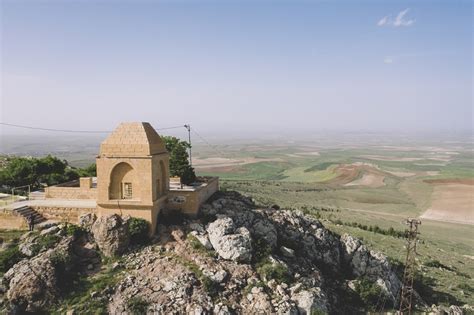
(127, 191)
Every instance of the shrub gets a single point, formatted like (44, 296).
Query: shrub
(370, 293)
(261, 251)
(276, 271)
(437, 264)
(466, 287)
(45, 242)
(196, 244)
(137, 306)
(139, 229)
(9, 257)
(75, 230)
(211, 287)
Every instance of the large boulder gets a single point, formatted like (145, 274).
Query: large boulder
(32, 285)
(111, 234)
(311, 301)
(230, 242)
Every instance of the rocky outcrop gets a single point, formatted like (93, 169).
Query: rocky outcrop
(370, 264)
(111, 234)
(252, 261)
(32, 285)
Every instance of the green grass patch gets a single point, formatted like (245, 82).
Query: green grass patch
(139, 231)
(79, 295)
(371, 294)
(137, 306)
(11, 235)
(9, 257)
(196, 245)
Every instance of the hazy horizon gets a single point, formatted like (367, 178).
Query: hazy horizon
(238, 68)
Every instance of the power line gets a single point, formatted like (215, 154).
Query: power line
(175, 127)
(73, 131)
(188, 127)
(207, 142)
(51, 129)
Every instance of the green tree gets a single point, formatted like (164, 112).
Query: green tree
(179, 159)
(89, 171)
(20, 171)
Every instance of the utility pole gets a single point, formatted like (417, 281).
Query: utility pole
(188, 126)
(406, 295)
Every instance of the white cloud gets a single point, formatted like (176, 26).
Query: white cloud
(400, 20)
(383, 20)
(388, 59)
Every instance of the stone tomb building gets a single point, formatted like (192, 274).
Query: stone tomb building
(132, 179)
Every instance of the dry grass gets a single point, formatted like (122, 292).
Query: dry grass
(452, 202)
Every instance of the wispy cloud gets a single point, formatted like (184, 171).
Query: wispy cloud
(399, 20)
(388, 59)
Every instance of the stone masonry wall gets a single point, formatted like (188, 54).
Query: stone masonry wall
(70, 193)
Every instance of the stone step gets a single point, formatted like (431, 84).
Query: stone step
(26, 211)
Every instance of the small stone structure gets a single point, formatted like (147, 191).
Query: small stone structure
(132, 179)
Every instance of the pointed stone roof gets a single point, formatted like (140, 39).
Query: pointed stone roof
(133, 139)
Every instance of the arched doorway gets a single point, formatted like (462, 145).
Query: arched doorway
(122, 182)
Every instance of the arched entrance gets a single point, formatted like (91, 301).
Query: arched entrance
(123, 182)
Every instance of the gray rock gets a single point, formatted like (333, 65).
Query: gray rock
(219, 276)
(221, 309)
(455, 310)
(87, 220)
(230, 243)
(111, 234)
(287, 252)
(199, 228)
(32, 284)
(310, 301)
(29, 246)
(264, 229)
(51, 230)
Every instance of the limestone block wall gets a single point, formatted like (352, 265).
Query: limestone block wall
(58, 192)
(10, 221)
(211, 188)
(62, 214)
(188, 202)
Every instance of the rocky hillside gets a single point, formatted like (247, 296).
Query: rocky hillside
(234, 259)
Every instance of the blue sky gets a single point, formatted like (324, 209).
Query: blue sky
(239, 65)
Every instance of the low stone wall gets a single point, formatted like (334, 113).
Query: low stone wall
(57, 192)
(187, 201)
(10, 221)
(62, 214)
